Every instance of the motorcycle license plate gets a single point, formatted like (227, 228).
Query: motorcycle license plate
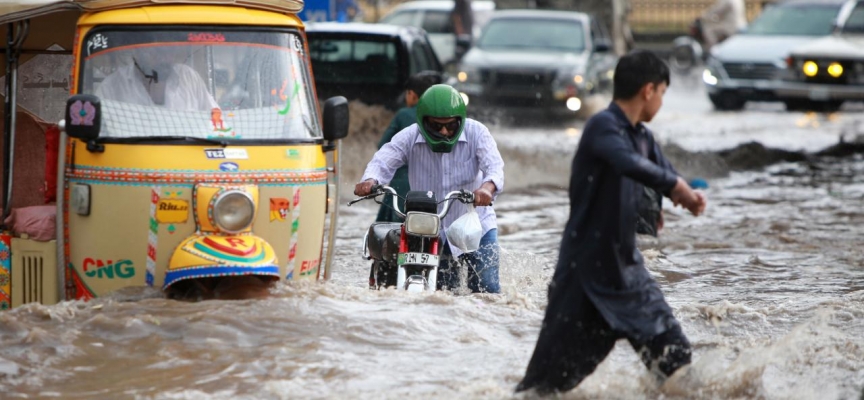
(418, 259)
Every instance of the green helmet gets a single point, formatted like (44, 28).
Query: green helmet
(440, 101)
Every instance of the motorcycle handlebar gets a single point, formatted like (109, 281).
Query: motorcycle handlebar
(377, 190)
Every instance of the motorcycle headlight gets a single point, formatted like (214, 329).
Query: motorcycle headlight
(233, 211)
(423, 224)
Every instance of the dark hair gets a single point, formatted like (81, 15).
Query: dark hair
(423, 80)
(637, 69)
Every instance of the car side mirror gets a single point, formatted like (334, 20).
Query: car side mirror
(335, 118)
(83, 117)
(602, 46)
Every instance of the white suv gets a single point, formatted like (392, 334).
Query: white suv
(434, 17)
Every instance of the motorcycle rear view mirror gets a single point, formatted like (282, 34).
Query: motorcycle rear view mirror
(335, 118)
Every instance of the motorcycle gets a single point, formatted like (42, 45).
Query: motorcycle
(407, 254)
(688, 51)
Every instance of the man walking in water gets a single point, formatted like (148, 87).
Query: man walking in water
(601, 291)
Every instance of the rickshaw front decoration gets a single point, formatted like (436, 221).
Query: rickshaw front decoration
(295, 226)
(279, 207)
(152, 236)
(82, 113)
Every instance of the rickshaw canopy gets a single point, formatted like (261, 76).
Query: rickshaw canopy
(16, 10)
(52, 22)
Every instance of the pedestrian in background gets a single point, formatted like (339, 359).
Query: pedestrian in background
(405, 117)
(462, 18)
(722, 20)
(601, 291)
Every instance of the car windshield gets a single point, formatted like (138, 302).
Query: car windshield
(353, 60)
(214, 83)
(855, 22)
(795, 19)
(534, 34)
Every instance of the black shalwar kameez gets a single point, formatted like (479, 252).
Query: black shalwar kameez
(601, 291)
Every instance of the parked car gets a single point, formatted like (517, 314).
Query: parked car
(749, 66)
(433, 16)
(826, 72)
(546, 60)
(368, 62)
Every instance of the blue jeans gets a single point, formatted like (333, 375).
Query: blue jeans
(482, 266)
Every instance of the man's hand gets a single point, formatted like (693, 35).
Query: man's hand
(683, 195)
(365, 188)
(483, 195)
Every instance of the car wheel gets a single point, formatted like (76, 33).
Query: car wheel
(727, 101)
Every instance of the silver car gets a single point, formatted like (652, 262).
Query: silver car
(537, 60)
(434, 17)
(826, 72)
(749, 66)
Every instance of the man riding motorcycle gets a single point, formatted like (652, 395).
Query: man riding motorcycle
(446, 151)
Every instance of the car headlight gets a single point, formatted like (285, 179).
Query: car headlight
(709, 78)
(468, 74)
(835, 70)
(423, 224)
(233, 211)
(810, 68)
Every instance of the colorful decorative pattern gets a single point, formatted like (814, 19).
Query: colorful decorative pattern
(210, 255)
(164, 177)
(5, 272)
(152, 237)
(82, 114)
(279, 209)
(172, 277)
(82, 291)
(295, 226)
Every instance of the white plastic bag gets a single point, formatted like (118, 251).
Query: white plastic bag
(465, 233)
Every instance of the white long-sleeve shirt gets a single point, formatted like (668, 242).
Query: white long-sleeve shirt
(474, 160)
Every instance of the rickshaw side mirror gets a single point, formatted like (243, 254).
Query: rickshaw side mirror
(335, 118)
(83, 117)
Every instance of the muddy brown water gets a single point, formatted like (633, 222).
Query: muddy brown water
(768, 284)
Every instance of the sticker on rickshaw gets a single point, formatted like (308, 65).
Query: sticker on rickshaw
(229, 167)
(278, 209)
(172, 211)
(228, 154)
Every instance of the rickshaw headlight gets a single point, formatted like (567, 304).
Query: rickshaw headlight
(233, 211)
(423, 224)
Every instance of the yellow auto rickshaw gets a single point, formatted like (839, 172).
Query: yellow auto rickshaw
(190, 145)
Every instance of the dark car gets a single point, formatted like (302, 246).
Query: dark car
(368, 62)
(543, 60)
(826, 72)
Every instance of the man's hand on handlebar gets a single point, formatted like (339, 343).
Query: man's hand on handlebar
(365, 188)
(483, 195)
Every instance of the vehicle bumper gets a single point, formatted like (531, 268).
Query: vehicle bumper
(528, 99)
(820, 92)
(749, 89)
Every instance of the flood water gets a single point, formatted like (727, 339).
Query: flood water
(768, 285)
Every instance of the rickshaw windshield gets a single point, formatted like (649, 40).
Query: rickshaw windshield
(204, 83)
